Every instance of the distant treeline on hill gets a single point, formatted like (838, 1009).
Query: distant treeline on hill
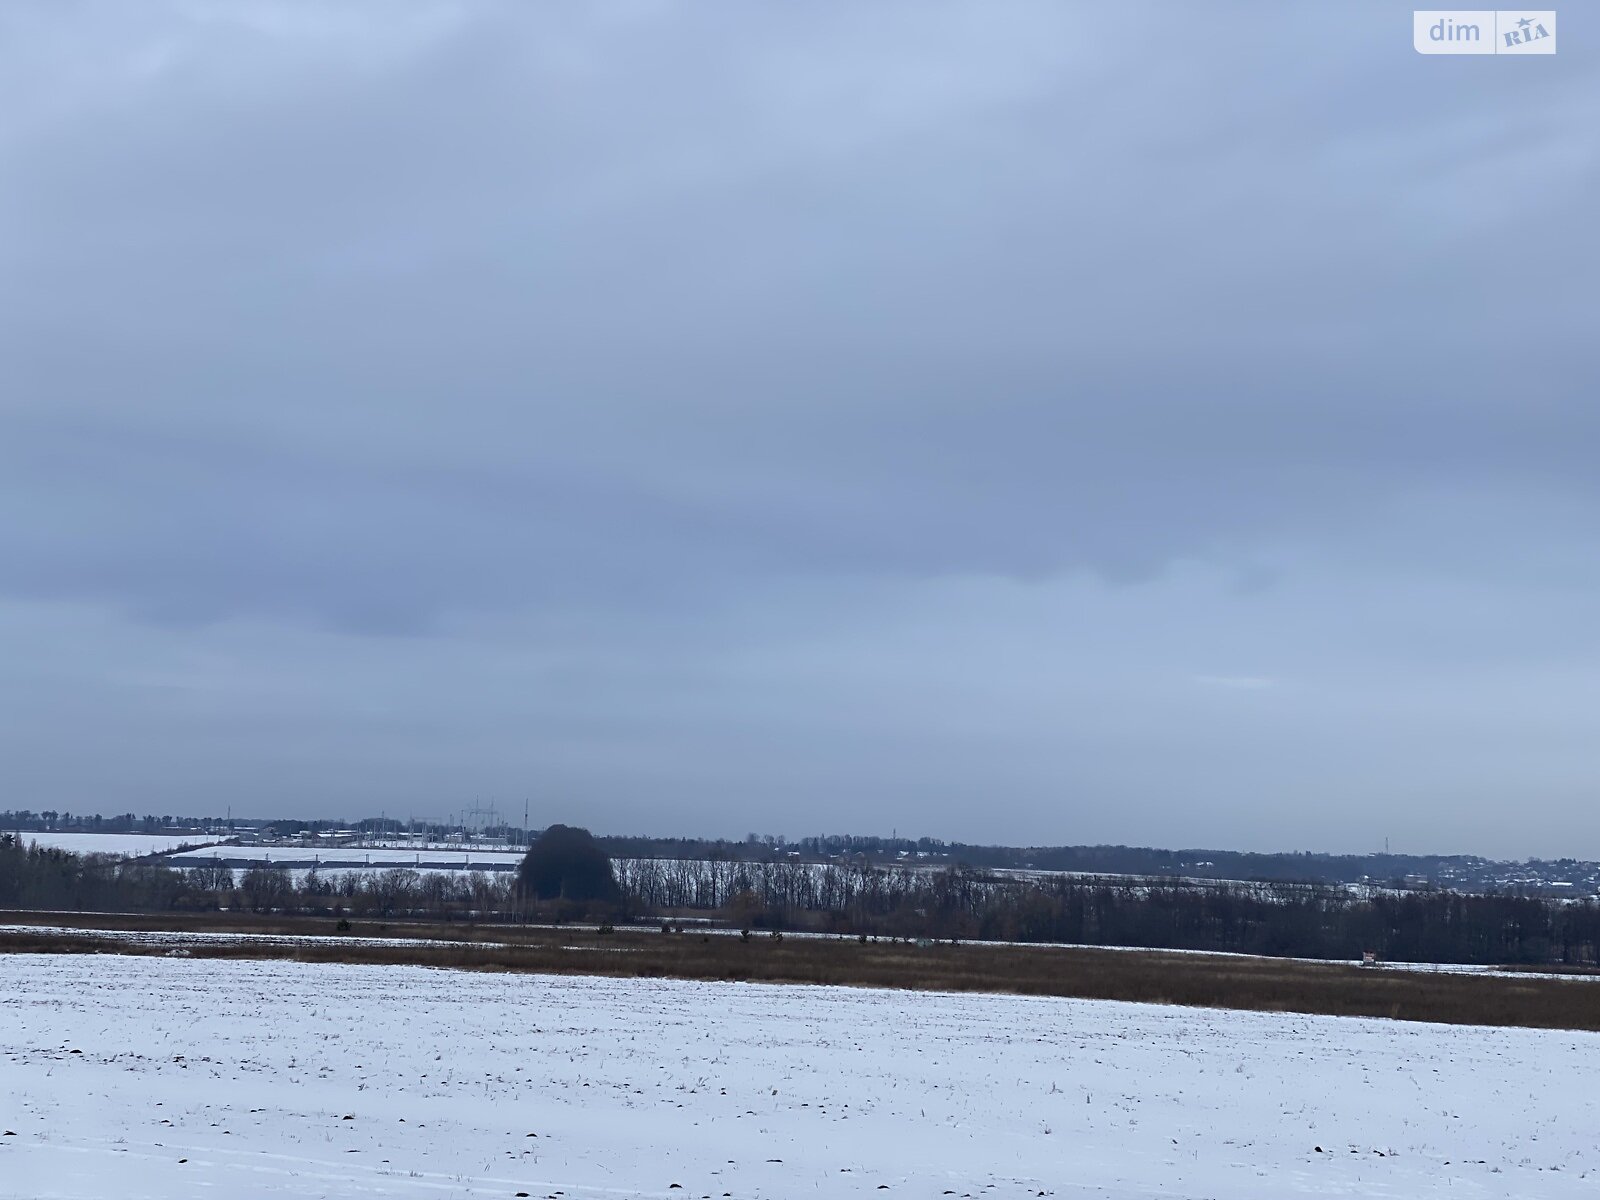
(1459, 871)
(1274, 918)
(49, 820)
(1298, 867)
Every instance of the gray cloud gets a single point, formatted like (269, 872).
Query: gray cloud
(864, 410)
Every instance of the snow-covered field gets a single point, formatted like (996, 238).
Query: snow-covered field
(171, 1078)
(375, 858)
(115, 843)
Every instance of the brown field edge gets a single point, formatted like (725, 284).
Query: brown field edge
(1146, 976)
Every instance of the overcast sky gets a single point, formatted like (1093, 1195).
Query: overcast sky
(1169, 424)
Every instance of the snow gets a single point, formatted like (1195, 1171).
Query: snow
(358, 855)
(116, 843)
(204, 1077)
(179, 938)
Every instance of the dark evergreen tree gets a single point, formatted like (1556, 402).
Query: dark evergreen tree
(566, 864)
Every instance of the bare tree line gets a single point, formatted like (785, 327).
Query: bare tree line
(1310, 920)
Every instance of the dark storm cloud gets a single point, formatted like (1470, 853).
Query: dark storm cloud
(719, 330)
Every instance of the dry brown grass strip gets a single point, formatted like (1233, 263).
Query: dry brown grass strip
(1214, 981)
